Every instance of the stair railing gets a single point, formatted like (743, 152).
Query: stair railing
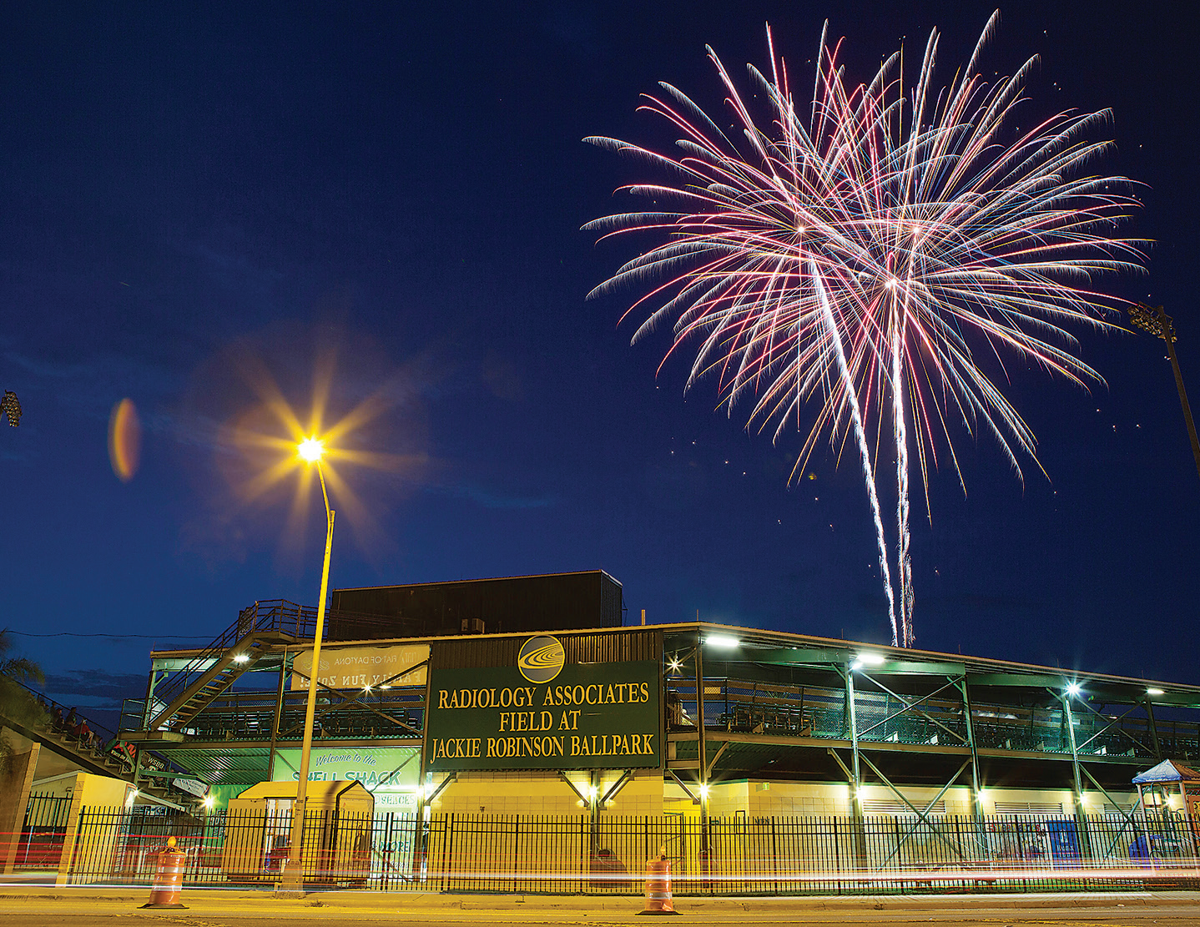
(270, 616)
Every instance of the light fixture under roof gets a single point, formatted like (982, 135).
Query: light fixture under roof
(1154, 691)
(724, 641)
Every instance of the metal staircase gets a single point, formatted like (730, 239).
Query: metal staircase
(222, 674)
(211, 672)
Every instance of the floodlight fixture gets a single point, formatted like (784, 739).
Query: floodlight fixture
(1154, 319)
(867, 659)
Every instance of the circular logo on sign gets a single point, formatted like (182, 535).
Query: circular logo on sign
(541, 659)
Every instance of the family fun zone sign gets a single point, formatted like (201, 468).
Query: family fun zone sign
(543, 714)
(359, 667)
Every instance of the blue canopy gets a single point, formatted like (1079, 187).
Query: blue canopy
(1167, 771)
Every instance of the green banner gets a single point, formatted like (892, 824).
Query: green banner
(588, 716)
(389, 773)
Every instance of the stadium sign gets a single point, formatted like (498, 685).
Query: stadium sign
(543, 713)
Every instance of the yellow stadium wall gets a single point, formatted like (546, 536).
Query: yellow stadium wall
(544, 793)
(91, 791)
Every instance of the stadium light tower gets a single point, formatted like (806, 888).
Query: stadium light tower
(1154, 319)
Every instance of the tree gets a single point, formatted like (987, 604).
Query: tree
(17, 703)
(10, 406)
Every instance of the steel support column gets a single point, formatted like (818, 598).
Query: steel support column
(1158, 754)
(976, 783)
(860, 831)
(151, 683)
(421, 829)
(701, 747)
(278, 713)
(1085, 847)
(856, 768)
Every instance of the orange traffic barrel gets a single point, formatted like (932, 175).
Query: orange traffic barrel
(658, 886)
(168, 878)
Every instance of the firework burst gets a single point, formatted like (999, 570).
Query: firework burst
(879, 255)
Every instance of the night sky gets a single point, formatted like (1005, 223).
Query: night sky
(199, 200)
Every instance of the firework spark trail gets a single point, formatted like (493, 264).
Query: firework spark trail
(903, 559)
(864, 450)
(904, 229)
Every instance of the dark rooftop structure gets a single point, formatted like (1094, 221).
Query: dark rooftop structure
(516, 604)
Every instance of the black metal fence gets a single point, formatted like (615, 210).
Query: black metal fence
(43, 832)
(527, 854)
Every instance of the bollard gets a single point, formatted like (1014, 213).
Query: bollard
(168, 879)
(658, 885)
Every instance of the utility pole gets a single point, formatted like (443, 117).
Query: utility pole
(1155, 320)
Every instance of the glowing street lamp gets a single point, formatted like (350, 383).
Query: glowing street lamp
(311, 449)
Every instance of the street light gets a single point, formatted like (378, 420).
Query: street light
(310, 450)
(1154, 319)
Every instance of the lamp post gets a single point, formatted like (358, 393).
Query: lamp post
(1154, 319)
(311, 450)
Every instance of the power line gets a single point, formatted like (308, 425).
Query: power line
(149, 637)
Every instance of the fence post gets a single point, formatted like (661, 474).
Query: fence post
(447, 849)
(516, 848)
(837, 854)
(774, 856)
(66, 861)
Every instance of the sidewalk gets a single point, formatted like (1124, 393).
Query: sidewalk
(438, 906)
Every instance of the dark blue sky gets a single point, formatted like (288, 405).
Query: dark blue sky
(186, 185)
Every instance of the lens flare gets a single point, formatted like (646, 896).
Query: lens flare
(272, 447)
(124, 440)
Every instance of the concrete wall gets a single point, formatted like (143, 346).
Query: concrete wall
(91, 791)
(796, 799)
(15, 783)
(544, 793)
(760, 798)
